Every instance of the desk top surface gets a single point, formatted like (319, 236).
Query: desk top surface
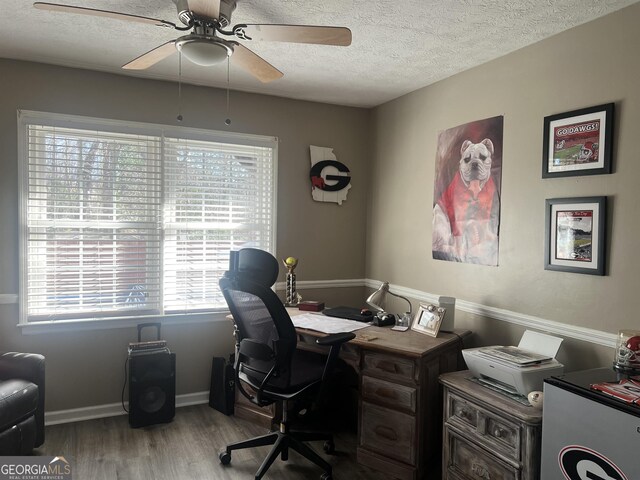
(382, 339)
(409, 343)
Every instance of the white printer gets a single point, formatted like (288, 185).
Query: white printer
(520, 369)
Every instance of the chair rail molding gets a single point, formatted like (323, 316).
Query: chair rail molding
(308, 284)
(570, 331)
(8, 298)
(576, 332)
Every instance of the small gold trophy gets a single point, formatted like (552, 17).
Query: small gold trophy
(291, 295)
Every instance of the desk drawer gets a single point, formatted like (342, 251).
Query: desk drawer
(470, 462)
(485, 427)
(388, 432)
(391, 394)
(462, 411)
(388, 366)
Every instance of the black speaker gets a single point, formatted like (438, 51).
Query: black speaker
(222, 392)
(152, 388)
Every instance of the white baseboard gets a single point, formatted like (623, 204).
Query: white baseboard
(114, 409)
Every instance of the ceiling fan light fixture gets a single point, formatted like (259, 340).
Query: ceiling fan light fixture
(204, 51)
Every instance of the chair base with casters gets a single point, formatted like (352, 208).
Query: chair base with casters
(286, 438)
(283, 440)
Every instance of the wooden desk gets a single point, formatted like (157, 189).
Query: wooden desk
(399, 406)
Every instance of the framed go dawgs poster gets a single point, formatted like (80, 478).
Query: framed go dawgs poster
(466, 198)
(578, 142)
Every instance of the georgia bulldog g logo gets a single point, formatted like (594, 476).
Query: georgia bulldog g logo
(582, 463)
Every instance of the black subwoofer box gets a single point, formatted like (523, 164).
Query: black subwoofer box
(152, 388)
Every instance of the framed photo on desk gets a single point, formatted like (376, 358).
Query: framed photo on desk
(428, 319)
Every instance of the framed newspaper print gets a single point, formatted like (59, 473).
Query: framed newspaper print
(578, 142)
(428, 319)
(575, 234)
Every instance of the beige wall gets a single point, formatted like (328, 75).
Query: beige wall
(390, 151)
(85, 368)
(593, 64)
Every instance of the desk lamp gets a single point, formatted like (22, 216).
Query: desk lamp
(377, 298)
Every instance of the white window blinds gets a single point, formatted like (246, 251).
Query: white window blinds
(218, 198)
(117, 223)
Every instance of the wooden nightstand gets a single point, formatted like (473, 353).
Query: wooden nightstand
(486, 435)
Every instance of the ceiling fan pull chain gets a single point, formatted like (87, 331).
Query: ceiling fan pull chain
(228, 120)
(179, 86)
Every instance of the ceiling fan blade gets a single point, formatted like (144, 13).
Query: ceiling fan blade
(56, 7)
(152, 57)
(340, 36)
(254, 64)
(205, 8)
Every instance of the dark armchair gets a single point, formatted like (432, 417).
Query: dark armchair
(267, 360)
(21, 402)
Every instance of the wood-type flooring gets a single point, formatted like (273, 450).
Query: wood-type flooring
(186, 449)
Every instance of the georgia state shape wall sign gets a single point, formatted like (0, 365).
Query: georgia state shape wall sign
(330, 179)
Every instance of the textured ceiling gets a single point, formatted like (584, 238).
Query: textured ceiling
(398, 45)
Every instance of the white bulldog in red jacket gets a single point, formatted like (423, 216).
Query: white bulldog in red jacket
(465, 217)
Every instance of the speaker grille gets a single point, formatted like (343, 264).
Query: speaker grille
(152, 399)
(152, 388)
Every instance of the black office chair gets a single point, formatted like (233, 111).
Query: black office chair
(267, 359)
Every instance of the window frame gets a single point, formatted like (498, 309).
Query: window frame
(163, 132)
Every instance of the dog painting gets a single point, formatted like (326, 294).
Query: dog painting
(466, 210)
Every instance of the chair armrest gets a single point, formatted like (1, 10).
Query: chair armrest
(336, 339)
(30, 367)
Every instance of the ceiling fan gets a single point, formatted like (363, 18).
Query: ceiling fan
(206, 46)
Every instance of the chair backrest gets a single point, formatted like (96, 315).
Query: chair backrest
(265, 335)
(256, 265)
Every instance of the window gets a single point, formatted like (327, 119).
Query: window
(127, 219)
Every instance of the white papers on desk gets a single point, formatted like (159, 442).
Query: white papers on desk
(326, 324)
